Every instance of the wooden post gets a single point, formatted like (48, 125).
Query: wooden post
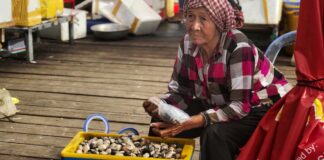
(2, 37)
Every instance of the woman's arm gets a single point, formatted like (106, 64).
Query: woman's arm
(240, 71)
(180, 92)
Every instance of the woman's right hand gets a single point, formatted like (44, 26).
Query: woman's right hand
(151, 109)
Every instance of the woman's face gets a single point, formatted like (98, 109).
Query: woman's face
(200, 27)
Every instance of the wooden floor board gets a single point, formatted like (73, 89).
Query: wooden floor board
(84, 85)
(15, 157)
(101, 81)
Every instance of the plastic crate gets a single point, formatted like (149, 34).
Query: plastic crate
(68, 152)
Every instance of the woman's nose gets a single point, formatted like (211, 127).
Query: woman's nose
(196, 26)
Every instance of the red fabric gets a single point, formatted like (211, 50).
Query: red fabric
(279, 139)
(70, 1)
(312, 144)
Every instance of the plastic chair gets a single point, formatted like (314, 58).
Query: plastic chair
(283, 40)
(70, 1)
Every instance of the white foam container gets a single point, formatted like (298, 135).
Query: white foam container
(253, 11)
(6, 12)
(136, 14)
(61, 31)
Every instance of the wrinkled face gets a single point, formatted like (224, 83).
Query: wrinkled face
(200, 26)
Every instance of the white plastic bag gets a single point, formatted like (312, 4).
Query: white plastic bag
(7, 106)
(169, 113)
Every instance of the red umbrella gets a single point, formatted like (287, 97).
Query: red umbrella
(283, 128)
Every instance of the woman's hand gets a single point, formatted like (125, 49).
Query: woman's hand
(151, 109)
(169, 130)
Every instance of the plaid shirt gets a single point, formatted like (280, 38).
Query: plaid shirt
(236, 78)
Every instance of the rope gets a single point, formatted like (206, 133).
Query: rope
(310, 84)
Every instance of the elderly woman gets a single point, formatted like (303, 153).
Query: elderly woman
(220, 79)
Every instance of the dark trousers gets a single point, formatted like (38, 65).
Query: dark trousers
(224, 139)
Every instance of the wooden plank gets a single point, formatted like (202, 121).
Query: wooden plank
(84, 79)
(10, 127)
(56, 72)
(149, 42)
(29, 150)
(99, 68)
(45, 130)
(15, 157)
(96, 72)
(82, 106)
(78, 91)
(76, 98)
(84, 59)
(42, 121)
(73, 113)
(32, 139)
(153, 66)
(84, 85)
(106, 51)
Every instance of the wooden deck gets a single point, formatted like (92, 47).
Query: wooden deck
(68, 83)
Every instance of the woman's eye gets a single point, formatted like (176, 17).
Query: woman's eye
(189, 16)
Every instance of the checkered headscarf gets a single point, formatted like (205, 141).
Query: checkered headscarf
(222, 13)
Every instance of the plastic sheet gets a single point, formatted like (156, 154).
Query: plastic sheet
(169, 113)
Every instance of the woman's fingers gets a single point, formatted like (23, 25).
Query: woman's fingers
(161, 125)
(162, 133)
(166, 129)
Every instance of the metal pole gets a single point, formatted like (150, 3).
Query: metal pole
(29, 44)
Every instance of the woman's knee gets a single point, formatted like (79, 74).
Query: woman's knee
(214, 131)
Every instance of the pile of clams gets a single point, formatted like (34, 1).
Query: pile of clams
(130, 145)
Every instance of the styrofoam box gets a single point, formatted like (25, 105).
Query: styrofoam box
(61, 32)
(138, 15)
(157, 5)
(253, 11)
(6, 11)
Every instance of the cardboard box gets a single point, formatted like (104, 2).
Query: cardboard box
(26, 12)
(61, 31)
(6, 18)
(69, 152)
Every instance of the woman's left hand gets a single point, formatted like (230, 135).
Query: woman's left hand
(169, 130)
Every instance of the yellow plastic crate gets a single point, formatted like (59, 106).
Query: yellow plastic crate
(68, 152)
(49, 8)
(26, 12)
(60, 7)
